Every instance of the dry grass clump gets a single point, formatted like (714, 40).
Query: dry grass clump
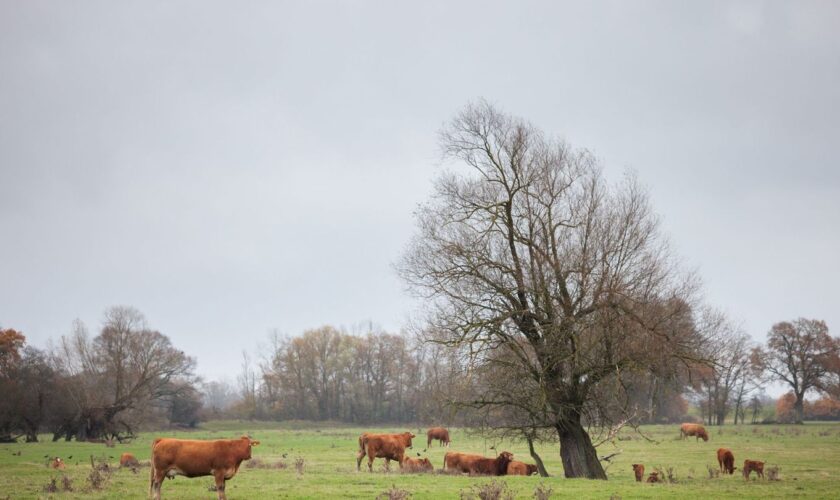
(494, 490)
(394, 493)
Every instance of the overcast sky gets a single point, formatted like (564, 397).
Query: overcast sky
(230, 168)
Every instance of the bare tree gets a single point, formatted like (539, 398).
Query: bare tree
(534, 251)
(799, 353)
(723, 383)
(123, 369)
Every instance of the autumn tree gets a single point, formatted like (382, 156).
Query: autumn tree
(531, 251)
(800, 354)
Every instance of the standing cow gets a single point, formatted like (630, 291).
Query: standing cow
(726, 460)
(387, 446)
(193, 458)
(753, 465)
(439, 433)
(696, 430)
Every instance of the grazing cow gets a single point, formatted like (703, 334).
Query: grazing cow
(57, 463)
(416, 465)
(439, 433)
(653, 477)
(517, 468)
(639, 471)
(477, 464)
(753, 465)
(696, 430)
(192, 458)
(128, 460)
(387, 446)
(726, 460)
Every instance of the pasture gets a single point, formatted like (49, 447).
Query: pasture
(807, 455)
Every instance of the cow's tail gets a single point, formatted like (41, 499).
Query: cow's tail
(152, 469)
(445, 455)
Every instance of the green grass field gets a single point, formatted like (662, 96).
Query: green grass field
(809, 457)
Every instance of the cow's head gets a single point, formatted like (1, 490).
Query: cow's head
(251, 444)
(408, 436)
(702, 433)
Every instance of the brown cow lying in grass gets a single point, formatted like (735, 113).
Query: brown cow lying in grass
(416, 465)
(639, 471)
(439, 433)
(477, 464)
(517, 468)
(753, 465)
(653, 477)
(192, 458)
(57, 463)
(128, 460)
(696, 430)
(726, 460)
(387, 446)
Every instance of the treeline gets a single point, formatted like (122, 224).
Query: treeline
(328, 374)
(100, 387)
(129, 376)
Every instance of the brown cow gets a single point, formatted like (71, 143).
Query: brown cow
(477, 464)
(696, 430)
(726, 460)
(517, 468)
(192, 458)
(57, 463)
(416, 465)
(439, 433)
(387, 446)
(128, 460)
(639, 471)
(753, 465)
(653, 477)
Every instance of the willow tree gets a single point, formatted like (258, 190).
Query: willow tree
(536, 266)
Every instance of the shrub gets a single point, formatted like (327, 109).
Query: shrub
(542, 492)
(394, 493)
(494, 490)
(773, 473)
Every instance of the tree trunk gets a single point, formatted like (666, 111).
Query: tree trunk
(798, 410)
(536, 457)
(579, 456)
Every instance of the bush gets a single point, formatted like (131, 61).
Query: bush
(394, 493)
(542, 492)
(494, 490)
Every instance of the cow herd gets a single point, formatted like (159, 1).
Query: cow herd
(221, 458)
(725, 458)
(393, 446)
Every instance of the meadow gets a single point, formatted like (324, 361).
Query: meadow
(808, 457)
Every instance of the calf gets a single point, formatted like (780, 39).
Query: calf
(191, 458)
(128, 460)
(726, 460)
(639, 471)
(517, 468)
(696, 430)
(57, 463)
(387, 446)
(753, 465)
(653, 477)
(439, 433)
(416, 465)
(477, 464)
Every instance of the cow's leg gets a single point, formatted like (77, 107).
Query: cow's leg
(429, 442)
(370, 463)
(156, 481)
(220, 484)
(359, 456)
(387, 464)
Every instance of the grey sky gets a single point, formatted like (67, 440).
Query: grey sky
(228, 168)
